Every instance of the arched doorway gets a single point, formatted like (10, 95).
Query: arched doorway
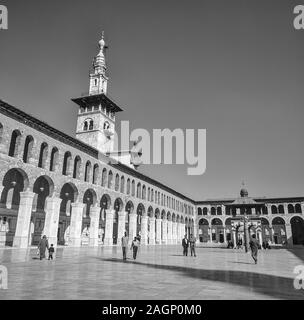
(203, 227)
(140, 212)
(297, 229)
(279, 231)
(129, 210)
(217, 230)
(89, 199)
(105, 204)
(68, 194)
(118, 206)
(14, 182)
(43, 188)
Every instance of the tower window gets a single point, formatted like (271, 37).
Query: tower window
(85, 126)
(95, 81)
(106, 125)
(91, 125)
(89, 109)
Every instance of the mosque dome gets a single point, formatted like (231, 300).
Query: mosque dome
(244, 193)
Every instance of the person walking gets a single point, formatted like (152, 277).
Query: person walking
(134, 246)
(124, 246)
(254, 246)
(51, 252)
(42, 246)
(185, 244)
(192, 242)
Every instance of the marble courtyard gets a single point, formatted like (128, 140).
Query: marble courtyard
(160, 272)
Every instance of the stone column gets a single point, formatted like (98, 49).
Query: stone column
(121, 226)
(132, 225)
(225, 238)
(152, 231)
(76, 224)
(177, 232)
(144, 230)
(210, 234)
(164, 227)
(108, 239)
(234, 238)
(285, 208)
(169, 232)
(289, 234)
(94, 226)
(24, 219)
(52, 211)
(174, 233)
(158, 230)
(271, 233)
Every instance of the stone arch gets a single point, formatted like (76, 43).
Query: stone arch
(129, 207)
(43, 154)
(110, 179)
(199, 211)
(117, 182)
(77, 165)
(143, 193)
(105, 201)
(281, 209)
(213, 211)
(67, 163)
(274, 209)
(128, 186)
(133, 188)
(87, 173)
(297, 229)
(157, 213)
(104, 177)
(15, 143)
(138, 190)
(68, 194)
(15, 181)
(298, 208)
(43, 188)
(54, 159)
(163, 214)
(140, 211)
(28, 148)
(150, 212)
(290, 208)
(219, 211)
(279, 230)
(216, 221)
(173, 217)
(118, 205)
(95, 173)
(122, 184)
(89, 199)
(169, 216)
(203, 222)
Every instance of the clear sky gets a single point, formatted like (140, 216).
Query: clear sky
(235, 68)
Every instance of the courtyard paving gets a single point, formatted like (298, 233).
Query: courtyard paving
(160, 272)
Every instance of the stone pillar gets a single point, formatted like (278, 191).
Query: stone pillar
(152, 231)
(210, 234)
(132, 225)
(158, 230)
(144, 230)
(234, 238)
(94, 226)
(52, 211)
(225, 238)
(177, 232)
(108, 239)
(260, 238)
(169, 232)
(76, 224)
(289, 234)
(174, 233)
(164, 227)
(121, 226)
(271, 233)
(285, 208)
(24, 219)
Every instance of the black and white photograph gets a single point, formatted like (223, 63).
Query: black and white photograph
(152, 151)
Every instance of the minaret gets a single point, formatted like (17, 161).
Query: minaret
(98, 79)
(96, 116)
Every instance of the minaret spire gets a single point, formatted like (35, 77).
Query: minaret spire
(99, 79)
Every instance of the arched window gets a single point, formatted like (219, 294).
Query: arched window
(66, 168)
(85, 126)
(110, 178)
(274, 209)
(199, 211)
(104, 177)
(106, 125)
(117, 182)
(76, 171)
(143, 192)
(298, 208)
(91, 126)
(128, 186)
(133, 188)
(1, 132)
(290, 208)
(28, 148)
(43, 155)
(95, 173)
(213, 211)
(281, 208)
(87, 175)
(205, 211)
(15, 143)
(138, 191)
(54, 159)
(122, 184)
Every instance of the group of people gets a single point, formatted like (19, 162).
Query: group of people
(134, 246)
(43, 246)
(189, 242)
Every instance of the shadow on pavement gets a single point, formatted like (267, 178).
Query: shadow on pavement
(274, 286)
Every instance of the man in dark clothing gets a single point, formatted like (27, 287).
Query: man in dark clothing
(254, 246)
(124, 246)
(185, 244)
(192, 242)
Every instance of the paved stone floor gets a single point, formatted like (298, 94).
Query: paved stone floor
(160, 272)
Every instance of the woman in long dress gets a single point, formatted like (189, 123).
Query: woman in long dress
(42, 246)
